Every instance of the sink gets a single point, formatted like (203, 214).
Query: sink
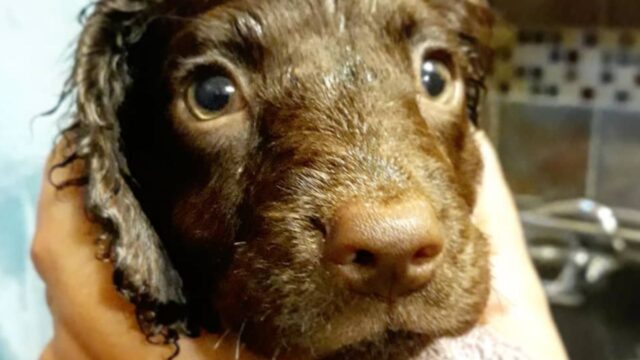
(588, 256)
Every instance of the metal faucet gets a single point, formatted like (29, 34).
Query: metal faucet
(584, 241)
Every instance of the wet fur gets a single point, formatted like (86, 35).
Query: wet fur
(223, 229)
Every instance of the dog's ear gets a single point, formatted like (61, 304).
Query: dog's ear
(99, 83)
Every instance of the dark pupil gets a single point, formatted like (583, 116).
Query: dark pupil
(432, 79)
(214, 93)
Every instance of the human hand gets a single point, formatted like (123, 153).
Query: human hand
(91, 320)
(518, 310)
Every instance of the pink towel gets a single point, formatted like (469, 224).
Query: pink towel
(479, 344)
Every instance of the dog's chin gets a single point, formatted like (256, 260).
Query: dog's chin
(370, 329)
(378, 335)
(363, 340)
(391, 344)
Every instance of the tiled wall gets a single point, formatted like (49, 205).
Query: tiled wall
(582, 67)
(566, 112)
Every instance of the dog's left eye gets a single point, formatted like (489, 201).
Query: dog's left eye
(213, 96)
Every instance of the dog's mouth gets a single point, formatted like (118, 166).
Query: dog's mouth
(367, 338)
(380, 324)
(359, 330)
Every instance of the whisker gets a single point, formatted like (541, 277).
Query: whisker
(265, 315)
(276, 353)
(219, 342)
(238, 342)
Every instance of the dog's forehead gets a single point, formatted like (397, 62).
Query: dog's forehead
(326, 41)
(294, 27)
(307, 16)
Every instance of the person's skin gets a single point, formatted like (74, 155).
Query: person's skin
(91, 321)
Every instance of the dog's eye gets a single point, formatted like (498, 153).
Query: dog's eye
(436, 75)
(212, 96)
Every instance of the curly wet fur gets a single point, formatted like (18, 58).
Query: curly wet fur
(247, 208)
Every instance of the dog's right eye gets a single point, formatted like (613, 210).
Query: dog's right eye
(213, 96)
(437, 76)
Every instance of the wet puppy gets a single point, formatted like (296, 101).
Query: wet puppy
(300, 172)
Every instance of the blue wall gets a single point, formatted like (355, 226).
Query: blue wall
(36, 38)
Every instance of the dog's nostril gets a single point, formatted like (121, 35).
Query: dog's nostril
(364, 258)
(425, 254)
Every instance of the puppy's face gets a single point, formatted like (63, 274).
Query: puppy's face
(310, 169)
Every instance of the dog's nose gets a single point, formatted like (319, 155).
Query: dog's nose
(385, 249)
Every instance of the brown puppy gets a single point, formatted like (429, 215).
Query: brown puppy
(301, 172)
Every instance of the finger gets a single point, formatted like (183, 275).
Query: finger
(48, 353)
(91, 320)
(60, 212)
(497, 216)
(86, 308)
(517, 296)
